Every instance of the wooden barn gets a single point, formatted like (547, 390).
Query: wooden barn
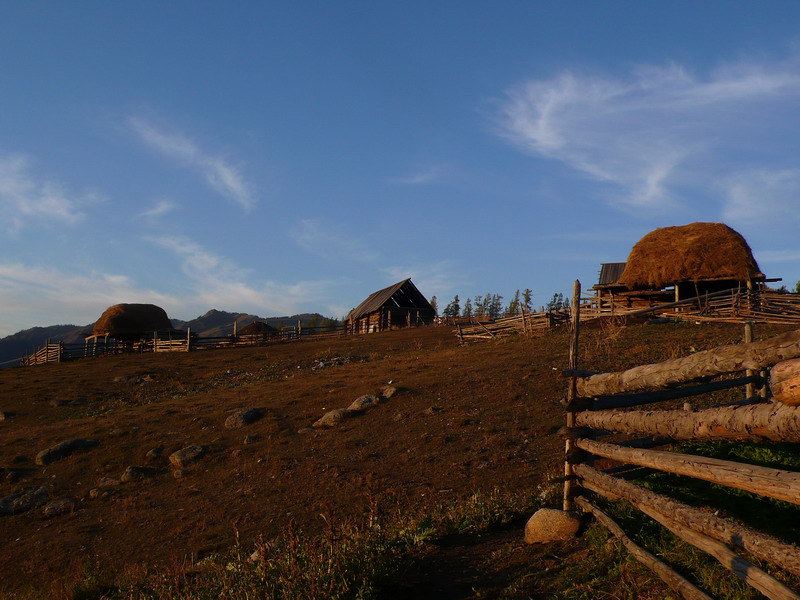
(399, 305)
(675, 263)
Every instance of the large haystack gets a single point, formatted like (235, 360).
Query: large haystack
(132, 321)
(257, 328)
(694, 252)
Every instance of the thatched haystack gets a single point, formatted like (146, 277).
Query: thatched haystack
(257, 328)
(132, 321)
(693, 252)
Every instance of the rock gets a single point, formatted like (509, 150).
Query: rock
(243, 417)
(331, 418)
(107, 482)
(22, 501)
(64, 449)
(250, 439)
(134, 473)
(432, 410)
(550, 525)
(304, 430)
(388, 391)
(363, 403)
(58, 507)
(186, 456)
(178, 473)
(155, 453)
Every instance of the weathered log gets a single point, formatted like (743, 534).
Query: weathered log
(717, 361)
(756, 422)
(745, 570)
(785, 382)
(675, 581)
(760, 545)
(774, 483)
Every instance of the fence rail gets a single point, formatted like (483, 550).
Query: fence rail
(592, 403)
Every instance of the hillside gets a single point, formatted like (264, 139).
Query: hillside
(25, 341)
(467, 443)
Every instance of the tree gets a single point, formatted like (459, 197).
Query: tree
(797, 288)
(435, 305)
(467, 312)
(526, 299)
(495, 308)
(557, 302)
(513, 305)
(480, 309)
(454, 308)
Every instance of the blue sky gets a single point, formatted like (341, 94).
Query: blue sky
(285, 157)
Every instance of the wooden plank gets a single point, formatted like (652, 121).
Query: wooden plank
(764, 481)
(717, 361)
(756, 423)
(635, 399)
(760, 545)
(674, 580)
(575, 323)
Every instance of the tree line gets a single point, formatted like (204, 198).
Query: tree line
(491, 305)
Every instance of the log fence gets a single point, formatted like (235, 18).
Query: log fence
(607, 404)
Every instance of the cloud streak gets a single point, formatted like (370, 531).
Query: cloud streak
(660, 134)
(25, 198)
(219, 174)
(327, 241)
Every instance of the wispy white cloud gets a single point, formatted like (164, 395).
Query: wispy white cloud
(763, 194)
(328, 241)
(221, 175)
(25, 198)
(158, 210)
(36, 295)
(215, 281)
(658, 132)
(424, 176)
(435, 278)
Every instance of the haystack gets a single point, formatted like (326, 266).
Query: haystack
(694, 252)
(126, 321)
(257, 328)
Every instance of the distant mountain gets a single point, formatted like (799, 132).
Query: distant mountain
(27, 340)
(219, 323)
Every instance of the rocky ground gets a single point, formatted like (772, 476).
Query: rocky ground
(119, 465)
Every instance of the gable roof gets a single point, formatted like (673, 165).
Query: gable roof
(610, 273)
(377, 299)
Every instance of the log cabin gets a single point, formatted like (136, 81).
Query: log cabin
(399, 305)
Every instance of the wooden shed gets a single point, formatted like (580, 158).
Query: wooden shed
(399, 305)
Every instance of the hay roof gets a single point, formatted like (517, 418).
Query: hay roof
(132, 320)
(694, 252)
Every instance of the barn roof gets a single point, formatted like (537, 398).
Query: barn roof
(610, 273)
(377, 299)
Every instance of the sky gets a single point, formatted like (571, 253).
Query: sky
(276, 158)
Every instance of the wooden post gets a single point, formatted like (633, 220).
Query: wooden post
(677, 296)
(762, 392)
(460, 334)
(749, 389)
(524, 321)
(235, 328)
(569, 444)
(189, 338)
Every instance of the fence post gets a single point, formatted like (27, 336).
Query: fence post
(750, 388)
(569, 445)
(189, 338)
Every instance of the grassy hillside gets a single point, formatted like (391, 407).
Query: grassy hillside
(423, 496)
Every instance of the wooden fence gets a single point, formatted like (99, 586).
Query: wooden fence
(593, 404)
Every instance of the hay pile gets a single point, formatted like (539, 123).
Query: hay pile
(689, 253)
(257, 328)
(132, 321)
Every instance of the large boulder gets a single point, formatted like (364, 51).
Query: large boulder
(22, 501)
(551, 525)
(186, 456)
(63, 449)
(242, 417)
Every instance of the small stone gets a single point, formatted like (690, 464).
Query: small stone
(107, 482)
(22, 501)
(94, 493)
(58, 507)
(304, 430)
(63, 449)
(243, 417)
(331, 418)
(178, 473)
(155, 453)
(250, 439)
(186, 456)
(550, 525)
(432, 410)
(388, 391)
(362, 404)
(134, 473)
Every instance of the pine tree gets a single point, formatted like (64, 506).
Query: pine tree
(526, 299)
(435, 305)
(513, 305)
(479, 307)
(495, 308)
(467, 312)
(557, 302)
(454, 308)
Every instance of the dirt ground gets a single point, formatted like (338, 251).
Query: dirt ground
(466, 419)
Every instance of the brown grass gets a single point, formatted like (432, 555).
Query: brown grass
(690, 252)
(127, 320)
